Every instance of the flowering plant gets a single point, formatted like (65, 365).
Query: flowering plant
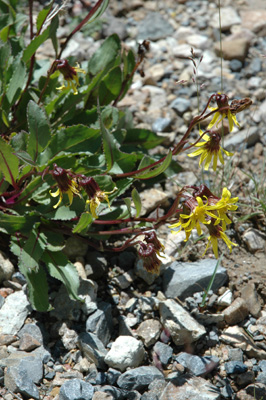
(66, 163)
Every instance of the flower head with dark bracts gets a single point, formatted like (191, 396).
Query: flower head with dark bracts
(197, 213)
(65, 185)
(95, 194)
(216, 233)
(148, 255)
(70, 75)
(222, 101)
(151, 237)
(210, 149)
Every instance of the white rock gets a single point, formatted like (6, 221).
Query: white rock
(14, 312)
(182, 327)
(6, 268)
(126, 352)
(229, 17)
(225, 299)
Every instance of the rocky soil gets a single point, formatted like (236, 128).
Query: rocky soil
(137, 335)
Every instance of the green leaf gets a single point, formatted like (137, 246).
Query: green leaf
(39, 130)
(60, 268)
(105, 56)
(5, 52)
(127, 201)
(143, 138)
(157, 170)
(110, 86)
(74, 139)
(137, 201)
(38, 40)
(84, 223)
(122, 186)
(19, 141)
(32, 251)
(16, 83)
(42, 16)
(9, 163)
(11, 224)
(25, 157)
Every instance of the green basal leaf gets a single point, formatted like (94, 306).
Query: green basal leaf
(9, 163)
(110, 86)
(5, 52)
(16, 83)
(19, 141)
(42, 16)
(127, 201)
(122, 186)
(117, 212)
(39, 130)
(66, 213)
(77, 138)
(11, 224)
(84, 223)
(157, 170)
(25, 157)
(32, 251)
(142, 138)
(38, 40)
(137, 201)
(60, 268)
(105, 56)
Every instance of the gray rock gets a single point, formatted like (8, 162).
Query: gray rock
(149, 331)
(164, 352)
(242, 139)
(229, 18)
(236, 312)
(183, 279)
(254, 240)
(2, 301)
(245, 379)
(6, 268)
(101, 322)
(161, 125)
(139, 378)
(250, 295)
(14, 312)
(112, 375)
(154, 27)
(114, 392)
(261, 378)
(197, 365)
(97, 265)
(180, 105)
(192, 388)
(182, 327)
(76, 389)
(92, 348)
(17, 380)
(262, 365)
(125, 352)
(235, 65)
(235, 367)
(33, 330)
(235, 355)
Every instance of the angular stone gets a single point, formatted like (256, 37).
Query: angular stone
(254, 19)
(154, 27)
(236, 312)
(192, 388)
(28, 342)
(182, 327)
(250, 295)
(18, 381)
(92, 348)
(237, 337)
(235, 367)
(14, 312)
(149, 331)
(139, 378)
(254, 240)
(225, 299)
(180, 105)
(125, 352)
(229, 17)
(183, 279)
(236, 49)
(245, 379)
(197, 365)
(6, 268)
(101, 322)
(76, 389)
(164, 352)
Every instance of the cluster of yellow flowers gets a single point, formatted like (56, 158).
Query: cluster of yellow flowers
(211, 212)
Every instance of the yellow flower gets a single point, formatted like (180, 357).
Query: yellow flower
(209, 150)
(70, 75)
(225, 204)
(96, 195)
(222, 101)
(216, 232)
(65, 185)
(197, 216)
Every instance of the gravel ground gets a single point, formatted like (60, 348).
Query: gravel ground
(138, 335)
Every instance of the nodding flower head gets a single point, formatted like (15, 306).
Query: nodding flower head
(210, 149)
(65, 185)
(148, 254)
(95, 194)
(220, 114)
(216, 233)
(151, 237)
(70, 75)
